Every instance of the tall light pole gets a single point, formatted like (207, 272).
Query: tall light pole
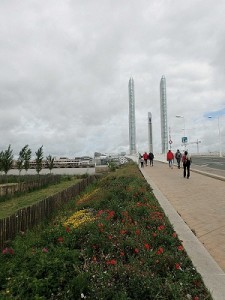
(184, 141)
(220, 144)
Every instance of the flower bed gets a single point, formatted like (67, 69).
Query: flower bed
(113, 242)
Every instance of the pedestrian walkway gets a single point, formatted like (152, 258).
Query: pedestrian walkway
(196, 209)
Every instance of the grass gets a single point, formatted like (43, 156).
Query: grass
(112, 242)
(10, 206)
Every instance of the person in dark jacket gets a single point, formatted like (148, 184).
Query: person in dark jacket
(186, 159)
(178, 157)
(151, 157)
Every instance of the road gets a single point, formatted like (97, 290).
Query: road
(211, 164)
(214, 162)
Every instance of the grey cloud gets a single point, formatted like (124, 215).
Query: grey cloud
(65, 68)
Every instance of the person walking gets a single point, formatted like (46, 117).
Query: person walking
(145, 156)
(170, 158)
(142, 162)
(178, 157)
(151, 157)
(186, 159)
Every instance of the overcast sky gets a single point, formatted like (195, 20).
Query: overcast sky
(65, 67)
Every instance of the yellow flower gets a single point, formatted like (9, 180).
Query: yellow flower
(87, 196)
(79, 218)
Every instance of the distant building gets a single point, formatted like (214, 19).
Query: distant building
(65, 162)
(108, 158)
(163, 113)
(132, 126)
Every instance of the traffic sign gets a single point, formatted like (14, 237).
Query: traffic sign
(170, 142)
(184, 139)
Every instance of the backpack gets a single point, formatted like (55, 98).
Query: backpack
(151, 155)
(178, 155)
(184, 159)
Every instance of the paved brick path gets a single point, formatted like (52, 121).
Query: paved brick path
(200, 201)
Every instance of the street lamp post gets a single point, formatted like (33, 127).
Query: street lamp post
(182, 117)
(197, 145)
(219, 131)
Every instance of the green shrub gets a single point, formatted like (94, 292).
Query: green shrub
(128, 250)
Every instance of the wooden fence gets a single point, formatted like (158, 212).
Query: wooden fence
(12, 188)
(30, 216)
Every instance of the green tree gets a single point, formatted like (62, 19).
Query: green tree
(50, 162)
(27, 158)
(39, 159)
(1, 158)
(21, 158)
(7, 159)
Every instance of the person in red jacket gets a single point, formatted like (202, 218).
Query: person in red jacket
(170, 158)
(145, 156)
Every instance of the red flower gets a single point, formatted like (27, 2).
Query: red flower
(160, 251)
(147, 246)
(45, 250)
(67, 229)
(196, 298)
(161, 227)
(174, 234)
(180, 248)
(100, 226)
(138, 232)
(60, 239)
(111, 262)
(122, 253)
(110, 237)
(177, 266)
(136, 250)
(123, 231)
(111, 214)
(8, 251)
(100, 212)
